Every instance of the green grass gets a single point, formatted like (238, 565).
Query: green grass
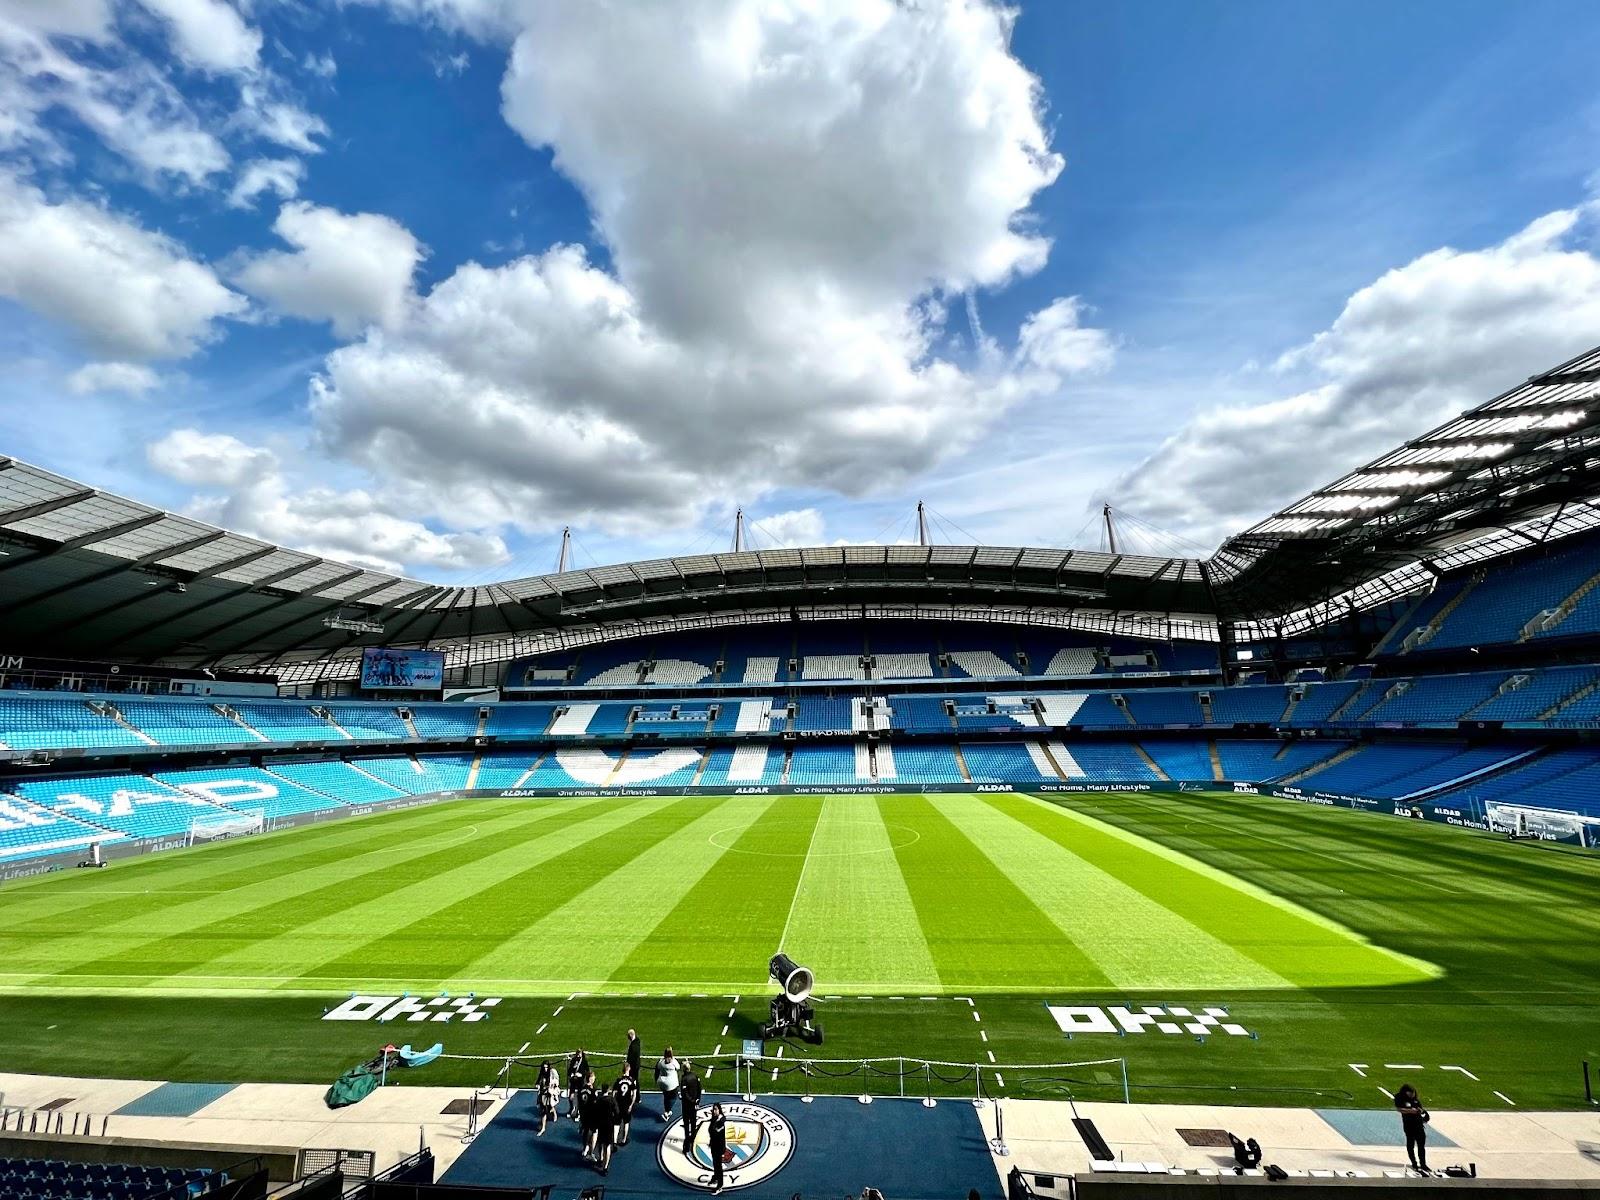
(1335, 937)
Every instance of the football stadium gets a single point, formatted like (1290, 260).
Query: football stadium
(897, 599)
(1028, 823)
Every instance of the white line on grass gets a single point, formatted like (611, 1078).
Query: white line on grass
(1403, 1066)
(984, 1034)
(990, 1053)
(799, 884)
(525, 1046)
(557, 1012)
(1463, 1070)
(1507, 1099)
(1360, 1069)
(724, 1031)
(541, 1029)
(1386, 1091)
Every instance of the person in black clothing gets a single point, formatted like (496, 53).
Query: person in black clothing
(717, 1137)
(577, 1071)
(588, 1114)
(691, 1093)
(627, 1093)
(548, 1093)
(634, 1054)
(605, 1129)
(1414, 1120)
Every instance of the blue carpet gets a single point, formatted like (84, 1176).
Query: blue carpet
(839, 1146)
(175, 1100)
(1374, 1127)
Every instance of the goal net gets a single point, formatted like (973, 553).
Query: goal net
(210, 827)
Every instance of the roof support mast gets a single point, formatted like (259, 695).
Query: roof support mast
(1111, 529)
(738, 531)
(566, 549)
(922, 525)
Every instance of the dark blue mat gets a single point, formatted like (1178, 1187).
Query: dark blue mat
(175, 1100)
(838, 1147)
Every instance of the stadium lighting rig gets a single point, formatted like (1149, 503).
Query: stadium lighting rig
(790, 1014)
(352, 624)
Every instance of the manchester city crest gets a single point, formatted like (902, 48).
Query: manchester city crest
(760, 1143)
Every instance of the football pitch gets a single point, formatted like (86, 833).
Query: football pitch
(1335, 951)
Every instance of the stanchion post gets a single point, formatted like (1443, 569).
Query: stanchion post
(927, 1077)
(1127, 1097)
(1588, 1090)
(902, 1077)
(866, 1085)
(977, 1098)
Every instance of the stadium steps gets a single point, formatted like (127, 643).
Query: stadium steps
(112, 712)
(1044, 761)
(961, 764)
(611, 775)
(1393, 692)
(1150, 762)
(788, 761)
(1404, 622)
(1541, 624)
(411, 726)
(1424, 635)
(700, 769)
(1571, 697)
(472, 771)
(1321, 764)
(1343, 710)
(1512, 683)
(375, 779)
(326, 714)
(1289, 707)
(1216, 761)
(1206, 717)
(883, 762)
(1516, 760)
(484, 714)
(228, 712)
(1127, 713)
(533, 769)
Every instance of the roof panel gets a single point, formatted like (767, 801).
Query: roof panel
(350, 587)
(994, 556)
(278, 560)
(203, 558)
(152, 539)
(22, 485)
(85, 517)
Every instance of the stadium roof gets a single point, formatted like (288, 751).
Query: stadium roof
(87, 574)
(1525, 464)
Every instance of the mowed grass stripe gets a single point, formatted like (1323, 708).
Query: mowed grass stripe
(1137, 941)
(1305, 948)
(723, 932)
(87, 900)
(981, 929)
(193, 935)
(465, 928)
(853, 911)
(587, 938)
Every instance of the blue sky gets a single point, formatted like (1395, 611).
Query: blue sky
(415, 283)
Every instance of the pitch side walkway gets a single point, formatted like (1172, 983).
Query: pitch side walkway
(835, 1141)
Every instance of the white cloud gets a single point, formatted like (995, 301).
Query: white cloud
(130, 106)
(133, 378)
(351, 269)
(798, 527)
(787, 194)
(321, 65)
(208, 34)
(281, 122)
(67, 18)
(1418, 345)
(127, 292)
(280, 176)
(352, 526)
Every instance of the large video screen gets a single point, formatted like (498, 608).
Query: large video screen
(405, 670)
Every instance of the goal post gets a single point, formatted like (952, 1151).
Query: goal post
(211, 827)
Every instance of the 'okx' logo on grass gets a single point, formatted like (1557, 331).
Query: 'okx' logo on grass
(412, 1008)
(760, 1143)
(1147, 1019)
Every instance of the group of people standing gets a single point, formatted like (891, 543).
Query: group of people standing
(605, 1115)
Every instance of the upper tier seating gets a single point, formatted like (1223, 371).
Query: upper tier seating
(45, 722)
(1503, 605)
(182, 722)
(456, 721)
(284, 721)
(369, 722)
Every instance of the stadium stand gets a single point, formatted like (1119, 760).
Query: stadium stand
(46, 1179)
(28, 829)
(46, 722)
(136, 805)
(182, 722)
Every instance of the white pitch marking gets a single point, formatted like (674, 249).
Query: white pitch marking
(799, 884)
(724, 1031)
(1360, 1069)
(999, 1079)
(990, 1053)
(540, 1030)
(927, 997)
(1464, 1071)
(984, 1034)
(730, 1014)
(780, 1051)
(574, 995)
(697, 995)
(897, 997)
(557, 1012)
(1507, 1099)
(968, 999)
(525, 1046)
(1403, 1066)
(714, 1053)
(975, 1015)
(1386, 1091)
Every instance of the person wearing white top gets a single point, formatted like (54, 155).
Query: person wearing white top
(667, 1081)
